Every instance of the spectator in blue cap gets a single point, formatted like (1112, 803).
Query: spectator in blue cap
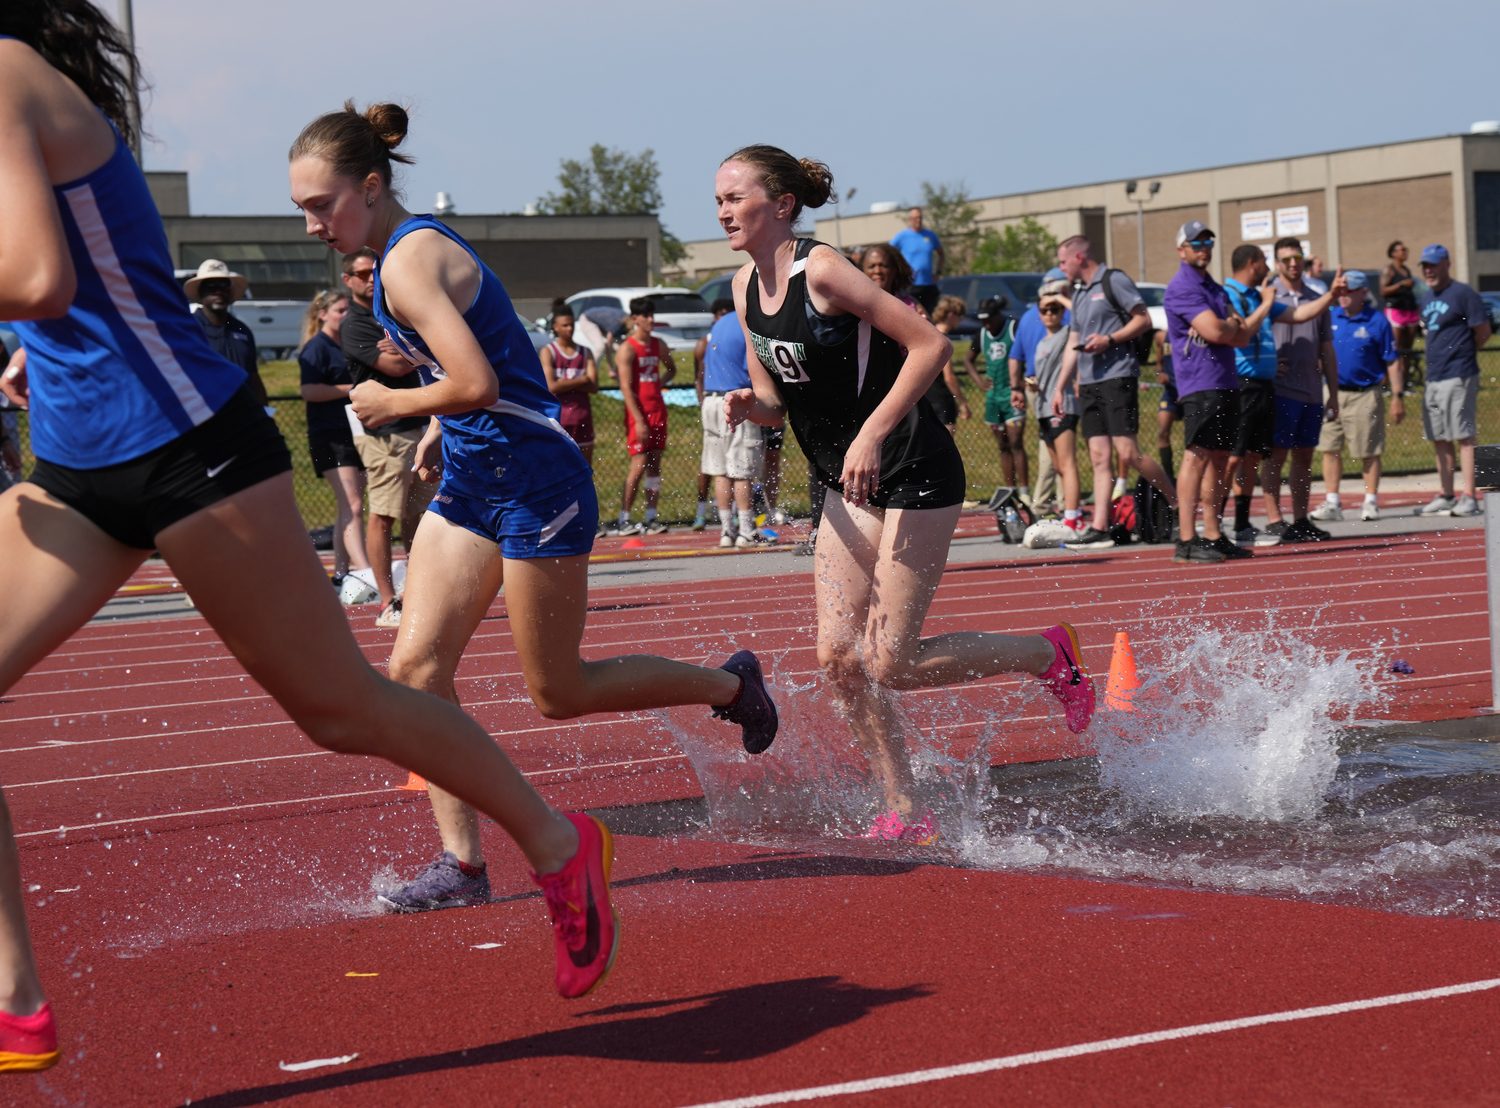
(1365, 345)
(1457, 328)
(1029, 331)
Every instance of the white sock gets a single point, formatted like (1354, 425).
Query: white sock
(703, 509)
(747, 523)
(1072, 516)
(1370, 498)
(624, 518)
(726, 522)
(1333, 498)
(1025, 491)
(1119, 484)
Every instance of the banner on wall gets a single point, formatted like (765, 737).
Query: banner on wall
(1255, 225)
(1292, 221)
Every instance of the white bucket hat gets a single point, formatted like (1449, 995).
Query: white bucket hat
(213, 268)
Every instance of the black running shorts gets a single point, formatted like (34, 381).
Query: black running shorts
(1111, 407)
(1257, 418)
(238, 446)
(943, 402)
(1049, 427)
(1210, 418)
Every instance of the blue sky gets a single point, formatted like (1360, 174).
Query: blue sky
(1003, 97)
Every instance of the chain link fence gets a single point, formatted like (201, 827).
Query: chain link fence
(1405, 451)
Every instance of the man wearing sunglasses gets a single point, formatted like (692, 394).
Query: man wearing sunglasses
(1457, 329)
(1306, 372)
(1203, 330)
(214, 288)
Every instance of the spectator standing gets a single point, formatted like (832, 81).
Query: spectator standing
(326, 384)
(1057, 408)
(213, 289)
(1004, 414)
(775, 439)
(732, 457)
(1108, 315)
(923, 252)
(1457, 328)
(644, 365)
(700, 352)
(1365, 346)
(387, 451)
(1029, 332)
(946, 395)
(1169, 407)
(1307, 371)
(572, 376)
(1256, 364)
(1399, 290)
(1313, 277)
(1202, 331)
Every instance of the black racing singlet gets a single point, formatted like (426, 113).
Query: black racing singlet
(833, 372)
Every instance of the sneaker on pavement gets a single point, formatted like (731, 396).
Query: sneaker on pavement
(1278, 529)
(1090, 539)
(441, 885)
(1226, 546)
(1254, 536)
(1066, 678)
(1304, 530)
(726, 541)
(699, 523)
(585, 926)
(753, 709)
(28, 1043)
(754, 538)
(655, 527)
(1439, 505)
(622, 529)
(390, 615)
(1369, 512)
(1331, 513)
(1466, 506)
(1197, 549)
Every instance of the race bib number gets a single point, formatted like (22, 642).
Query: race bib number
(781, 358)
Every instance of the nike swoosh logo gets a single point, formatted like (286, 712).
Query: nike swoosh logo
(221, 467)
(590, 951)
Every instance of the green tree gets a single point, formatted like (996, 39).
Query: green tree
(1022, 247)
(612, 182)
(947, 212)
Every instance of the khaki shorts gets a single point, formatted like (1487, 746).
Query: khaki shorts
(1360, 426)
(740, 454)
(388, 473)
(1448, 409)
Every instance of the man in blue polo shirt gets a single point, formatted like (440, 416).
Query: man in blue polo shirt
(1255, 363)
(732, 458)
(1366, 349)
(1030, 330)
(923, 251)
(1457, 328)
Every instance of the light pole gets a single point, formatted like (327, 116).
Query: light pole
(838, 210)
(126, 21)
(1140, 222)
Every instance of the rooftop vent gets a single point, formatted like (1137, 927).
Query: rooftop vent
(882, 206)
(530, 209)
(1485, 127)
(444, 204)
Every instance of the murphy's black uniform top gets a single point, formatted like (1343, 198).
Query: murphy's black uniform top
(833, 372)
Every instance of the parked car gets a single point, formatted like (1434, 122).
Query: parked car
(717, 288)
(1018, 289)
(276, 325)
(1153, 294)
(682, 316)
(1492, 302)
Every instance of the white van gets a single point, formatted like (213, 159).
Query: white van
(682, 316)
(276, 324)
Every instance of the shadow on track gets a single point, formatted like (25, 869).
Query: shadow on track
(735, 1025)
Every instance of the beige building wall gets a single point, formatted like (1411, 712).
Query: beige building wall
(1161, 236)
(1418, 211)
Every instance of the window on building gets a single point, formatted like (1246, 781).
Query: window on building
(275, 270)
(1487, 210)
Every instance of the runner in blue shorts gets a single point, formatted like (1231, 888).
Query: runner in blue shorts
(516, 505)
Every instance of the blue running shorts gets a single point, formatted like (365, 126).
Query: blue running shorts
(1298, 424)
(558, 525)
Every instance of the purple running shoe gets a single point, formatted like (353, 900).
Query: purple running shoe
(441, 885)
(753, 710)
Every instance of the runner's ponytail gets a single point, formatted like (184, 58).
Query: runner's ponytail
(810, 183)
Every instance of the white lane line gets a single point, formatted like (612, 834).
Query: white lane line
(1014, 1061)
(317, 1063)
(314, 799)
(167, 769)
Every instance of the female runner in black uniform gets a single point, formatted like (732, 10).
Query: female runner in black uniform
(825, 343)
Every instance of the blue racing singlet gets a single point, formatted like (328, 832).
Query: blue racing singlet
(515, 449)
(127, 369)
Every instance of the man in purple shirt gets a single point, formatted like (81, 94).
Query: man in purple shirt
(1203, 331)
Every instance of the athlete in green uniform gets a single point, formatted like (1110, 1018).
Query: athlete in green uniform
(1006, 420)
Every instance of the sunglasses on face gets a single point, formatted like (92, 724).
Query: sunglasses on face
(1051, 309)
(217, 284)
(1200, 244)
(362, 274)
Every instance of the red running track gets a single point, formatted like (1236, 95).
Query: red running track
(204, 885)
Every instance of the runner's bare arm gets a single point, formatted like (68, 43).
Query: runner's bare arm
(761, 402)
(426, 276)
(667, 365)
(625, 371)
(37, 280)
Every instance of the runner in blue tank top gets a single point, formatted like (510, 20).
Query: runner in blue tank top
(148, 441)
(516, 504)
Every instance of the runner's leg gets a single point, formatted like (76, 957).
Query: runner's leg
(348, 486)
(60, 569)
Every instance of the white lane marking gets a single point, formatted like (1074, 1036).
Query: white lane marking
(1014, 1061)
(486, 946)
(65, 828)
(298, 1067)
(168, 769)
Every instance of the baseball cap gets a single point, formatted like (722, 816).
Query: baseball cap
(1192, 230)
(1357, 279)
(991, 307)
(1055, 274)
(1435, 253)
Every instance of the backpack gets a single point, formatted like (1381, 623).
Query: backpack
(1141, 344)
(1012, 516)
(1123, 521)
(1154, 519)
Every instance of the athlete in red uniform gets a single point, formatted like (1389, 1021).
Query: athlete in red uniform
(644, 365)
(571, 377)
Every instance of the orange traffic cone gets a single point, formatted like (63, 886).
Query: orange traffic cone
(415, 784)
(632, 544)
(1122, 677)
